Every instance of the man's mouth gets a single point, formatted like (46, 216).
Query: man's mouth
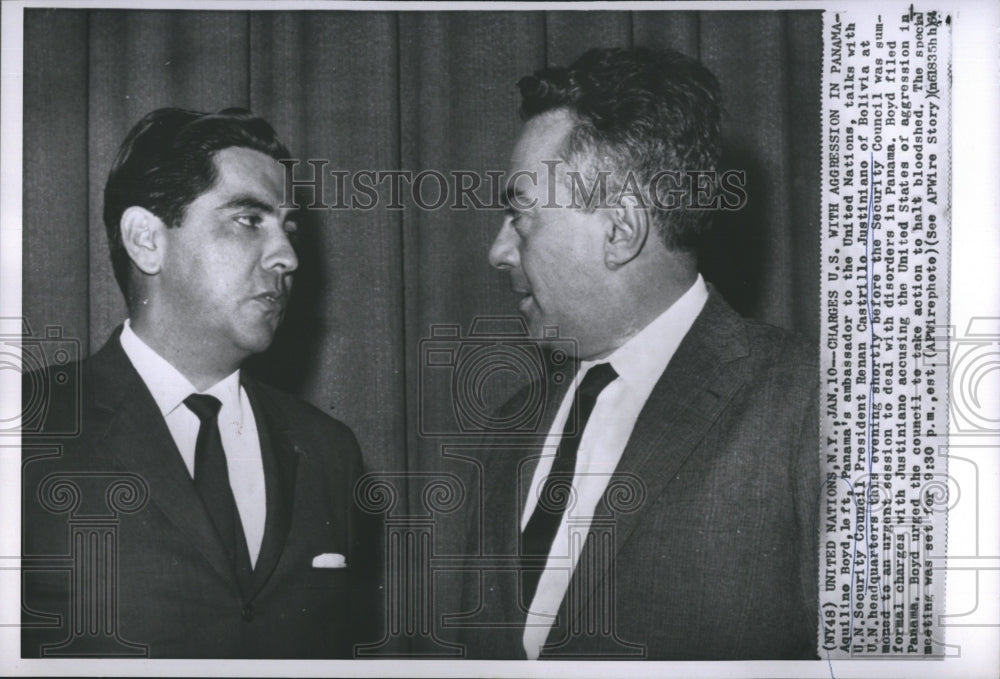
(526, 299)
(274, 301)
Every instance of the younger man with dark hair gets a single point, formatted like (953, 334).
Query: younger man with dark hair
(240, 537)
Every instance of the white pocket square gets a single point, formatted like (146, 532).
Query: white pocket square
(329, 560)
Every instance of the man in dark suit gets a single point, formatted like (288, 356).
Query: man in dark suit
(667, 508)
(188, 510)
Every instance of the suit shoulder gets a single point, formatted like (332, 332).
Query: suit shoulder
(785, 360)
(781, 346)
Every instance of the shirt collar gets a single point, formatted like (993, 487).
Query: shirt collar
(644, 357)
(166, 383)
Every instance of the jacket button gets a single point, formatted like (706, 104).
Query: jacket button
(248, 612)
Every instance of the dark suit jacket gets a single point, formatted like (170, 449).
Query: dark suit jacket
(120, 556)
(705, 544)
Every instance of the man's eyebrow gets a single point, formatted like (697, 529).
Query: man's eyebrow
(247, 202)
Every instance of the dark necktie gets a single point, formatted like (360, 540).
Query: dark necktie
(211, 479)
(536, 540)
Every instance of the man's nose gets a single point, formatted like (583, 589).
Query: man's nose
(279, 254)
(503, 252)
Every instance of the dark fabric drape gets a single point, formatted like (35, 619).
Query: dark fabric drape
(388, 91)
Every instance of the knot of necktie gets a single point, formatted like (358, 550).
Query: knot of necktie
(204, 406)
(598, 377)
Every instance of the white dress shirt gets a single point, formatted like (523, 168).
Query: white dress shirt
(237, 428)
(639, 363)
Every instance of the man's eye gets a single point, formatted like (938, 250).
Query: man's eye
(249, 221)
(292, 231)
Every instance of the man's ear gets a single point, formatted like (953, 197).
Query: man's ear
(628, 230)
(142, 235)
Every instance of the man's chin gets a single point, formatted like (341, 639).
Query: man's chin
(541, 329)
(257, 340)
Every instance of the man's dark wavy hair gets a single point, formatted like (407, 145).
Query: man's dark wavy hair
(168, 160)
(641, 111)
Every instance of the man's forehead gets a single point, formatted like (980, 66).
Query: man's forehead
(240, 159)
(542, 139)
(243, 169)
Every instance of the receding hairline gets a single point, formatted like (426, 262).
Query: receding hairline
(546, 124)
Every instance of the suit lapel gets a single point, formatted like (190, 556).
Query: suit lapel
(698, 383)
(131, 426)
(280, 460)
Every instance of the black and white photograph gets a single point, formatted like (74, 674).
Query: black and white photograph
(366, 339)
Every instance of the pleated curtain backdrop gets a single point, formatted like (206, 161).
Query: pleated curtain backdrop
(386, 91)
